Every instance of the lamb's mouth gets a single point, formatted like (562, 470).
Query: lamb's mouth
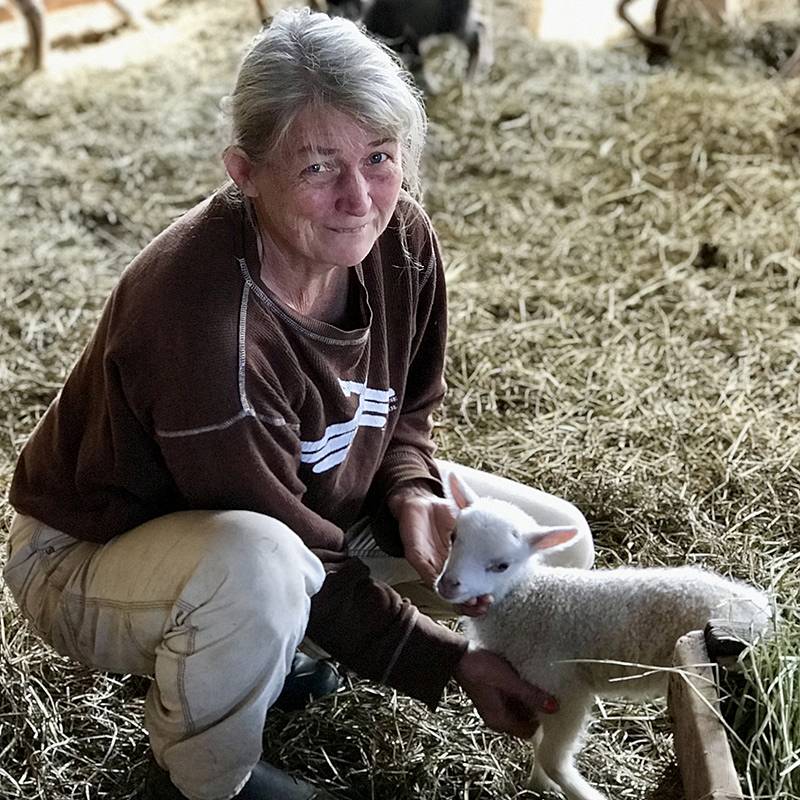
(456, 599)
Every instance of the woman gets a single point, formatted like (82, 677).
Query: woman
(251, 414)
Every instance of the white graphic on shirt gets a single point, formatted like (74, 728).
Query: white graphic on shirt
(332, 448)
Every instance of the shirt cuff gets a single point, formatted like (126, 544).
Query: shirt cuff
(425, 661)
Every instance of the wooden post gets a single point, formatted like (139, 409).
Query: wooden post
(701, 742)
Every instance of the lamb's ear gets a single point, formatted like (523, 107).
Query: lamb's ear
(459, 492)
(548, 537)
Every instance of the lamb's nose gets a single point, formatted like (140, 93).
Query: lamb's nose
(447, 587)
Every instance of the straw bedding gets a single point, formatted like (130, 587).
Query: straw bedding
(624, 266)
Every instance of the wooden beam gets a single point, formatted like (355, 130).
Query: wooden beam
(6, 12)
(701, 743)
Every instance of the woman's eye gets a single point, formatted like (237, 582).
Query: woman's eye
(501, 567)
(378, 158)
(318, 169)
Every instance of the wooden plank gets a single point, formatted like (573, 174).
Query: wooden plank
(67, 20)
(701, 743)
(6, 12)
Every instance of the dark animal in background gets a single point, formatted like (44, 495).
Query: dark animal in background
(405, 24)
(351, 9)
(775, 43)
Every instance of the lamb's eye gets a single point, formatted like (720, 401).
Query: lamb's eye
(501, 567)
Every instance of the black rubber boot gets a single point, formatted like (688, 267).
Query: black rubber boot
(308, 680)
(266, 783)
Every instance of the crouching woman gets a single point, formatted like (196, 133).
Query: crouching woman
(250, 416)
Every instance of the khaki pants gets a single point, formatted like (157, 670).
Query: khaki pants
(213, 604)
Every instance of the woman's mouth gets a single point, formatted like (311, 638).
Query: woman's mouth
(356, 229)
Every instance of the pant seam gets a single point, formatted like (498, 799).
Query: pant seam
(191, 632)
(36, 536)
(123, 605)
(67, 617)
(132, 636)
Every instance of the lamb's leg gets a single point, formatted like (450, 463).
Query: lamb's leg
(554, 754)
(412, 57)
(539, 780)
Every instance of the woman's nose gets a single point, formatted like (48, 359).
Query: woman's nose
(354, 196)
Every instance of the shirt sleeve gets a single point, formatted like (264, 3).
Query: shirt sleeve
(367, 625)
(409, 456)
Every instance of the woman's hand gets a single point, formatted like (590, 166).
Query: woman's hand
(426, 528)
(426, 524)
(505, 702)
(476, 607)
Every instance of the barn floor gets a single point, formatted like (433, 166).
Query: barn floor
(624, 269)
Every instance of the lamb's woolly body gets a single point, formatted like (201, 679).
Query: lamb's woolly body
(561, 627)
(630, 615)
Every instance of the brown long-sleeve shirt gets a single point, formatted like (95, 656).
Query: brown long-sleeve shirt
(200, 389)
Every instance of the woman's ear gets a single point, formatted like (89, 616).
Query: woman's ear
(241, 169)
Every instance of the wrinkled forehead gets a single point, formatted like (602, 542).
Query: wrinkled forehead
(326, 129)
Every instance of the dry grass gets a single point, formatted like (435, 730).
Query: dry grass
(761, 704)
(624, 261)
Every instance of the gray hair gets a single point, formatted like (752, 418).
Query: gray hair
(305, 59)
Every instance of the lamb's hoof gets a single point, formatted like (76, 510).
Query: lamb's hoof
(542, 783)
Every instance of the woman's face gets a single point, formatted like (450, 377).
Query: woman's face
(329, 193)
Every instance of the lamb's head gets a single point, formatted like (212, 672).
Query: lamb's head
(492, 546)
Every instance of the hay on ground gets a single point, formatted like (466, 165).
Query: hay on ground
(624, 266)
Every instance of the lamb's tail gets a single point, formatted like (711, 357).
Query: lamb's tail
(751, 609)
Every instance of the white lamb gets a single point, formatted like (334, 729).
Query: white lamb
(555, 624)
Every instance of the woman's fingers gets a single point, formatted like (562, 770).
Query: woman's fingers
(475, 607)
